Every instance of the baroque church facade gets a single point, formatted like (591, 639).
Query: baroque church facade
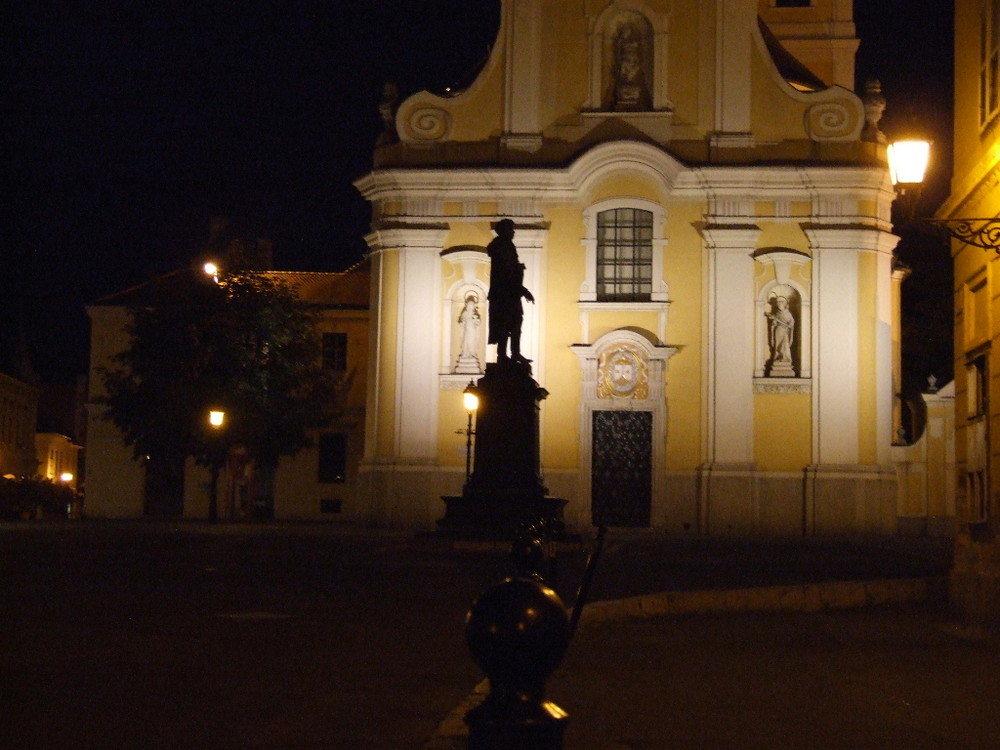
(704, 221)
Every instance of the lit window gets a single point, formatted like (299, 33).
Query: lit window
(624, 255)
(977, 385)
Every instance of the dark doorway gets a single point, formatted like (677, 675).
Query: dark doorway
(621, 468)
(164, 487)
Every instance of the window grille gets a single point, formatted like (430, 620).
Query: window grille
(624, 255)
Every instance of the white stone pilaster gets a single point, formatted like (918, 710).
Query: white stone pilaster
(837, 254)
(729, 343)
(414, 360)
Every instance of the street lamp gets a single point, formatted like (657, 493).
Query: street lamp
(216, 420)
(470, 400)
(212, 269)
(908, 159)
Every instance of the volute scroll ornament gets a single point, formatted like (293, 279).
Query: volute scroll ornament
(428, 124)
(833, 120)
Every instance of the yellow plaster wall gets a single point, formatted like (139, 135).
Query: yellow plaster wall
(563, 277)
(628, 184)
(782, 234)
(683, 54)
(776, 115)
(563, 91)
(782, 431)
(469, 233)
(477, 114)
(682, 269)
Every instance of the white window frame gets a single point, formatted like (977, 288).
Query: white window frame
(659, 292)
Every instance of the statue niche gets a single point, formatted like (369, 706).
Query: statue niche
(631, 70)
(783, 313)
(470, 337)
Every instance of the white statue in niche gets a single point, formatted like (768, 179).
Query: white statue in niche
(630, 92)
(469, 321)
(781, 337)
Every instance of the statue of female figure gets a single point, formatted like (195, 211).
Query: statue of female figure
(782, 332)
(630, 81)
(470, 320)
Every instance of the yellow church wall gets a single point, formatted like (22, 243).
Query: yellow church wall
(682, 270)
(776, 115)
(564, 90)
(468, 233)
(560, 425)
(626, 184)
(782, 234)
(782, 431)
(563, 276)
(477, 113)
(683, 82)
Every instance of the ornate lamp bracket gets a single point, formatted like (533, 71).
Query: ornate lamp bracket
(984, 233)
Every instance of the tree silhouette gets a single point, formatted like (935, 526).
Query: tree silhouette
(246, 344)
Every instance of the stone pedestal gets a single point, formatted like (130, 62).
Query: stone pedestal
(505, 489)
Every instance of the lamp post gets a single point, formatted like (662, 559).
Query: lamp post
(470, 400)
(908, 155)
(216, 420)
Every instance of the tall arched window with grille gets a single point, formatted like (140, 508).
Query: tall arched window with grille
(624, 255)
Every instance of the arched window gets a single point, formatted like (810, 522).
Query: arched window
(624, 255)
(624, 248)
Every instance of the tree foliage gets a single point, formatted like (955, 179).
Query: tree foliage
(247, 345)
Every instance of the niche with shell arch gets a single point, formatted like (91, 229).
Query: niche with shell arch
(465, 313)
(783, 317)
(627, 60)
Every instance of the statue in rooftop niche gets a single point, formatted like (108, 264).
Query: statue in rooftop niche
(630, 92)
(506, 291)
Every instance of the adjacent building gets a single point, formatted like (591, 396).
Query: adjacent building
(708, 237)
(975, 195)
(18, 410)
(318, 483)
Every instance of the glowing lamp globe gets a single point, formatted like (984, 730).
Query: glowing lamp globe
(908, 161)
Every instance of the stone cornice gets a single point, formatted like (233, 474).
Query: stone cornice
(572, 183)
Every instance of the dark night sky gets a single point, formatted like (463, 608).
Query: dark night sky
(127, 125)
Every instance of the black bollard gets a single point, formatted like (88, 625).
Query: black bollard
(517, 632)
